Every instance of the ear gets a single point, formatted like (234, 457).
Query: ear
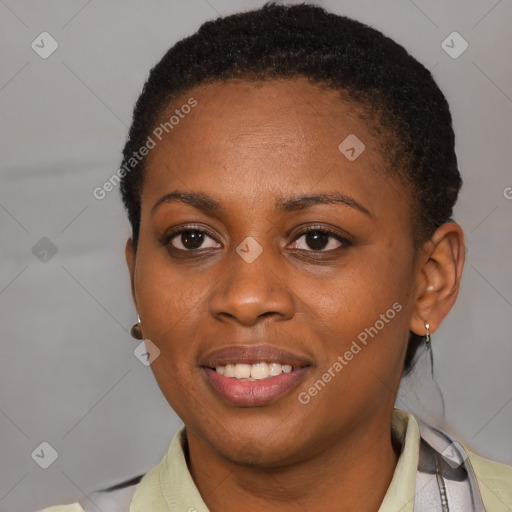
(438, 278)
(129, 253)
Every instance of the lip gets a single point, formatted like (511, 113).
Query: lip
(257, 392)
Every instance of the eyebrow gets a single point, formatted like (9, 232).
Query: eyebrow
(198, 200)
(206, 203)
(302, 202)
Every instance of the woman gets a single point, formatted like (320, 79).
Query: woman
(289, 178)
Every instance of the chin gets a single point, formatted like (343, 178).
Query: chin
(256, 448)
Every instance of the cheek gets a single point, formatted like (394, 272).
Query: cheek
(358, 294)
(169, 303)
(363, 316)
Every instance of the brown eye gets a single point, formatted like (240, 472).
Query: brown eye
(319, 240)
(191, 239)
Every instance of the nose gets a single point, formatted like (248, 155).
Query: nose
(249, 292)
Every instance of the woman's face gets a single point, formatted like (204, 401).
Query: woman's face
(252, 280)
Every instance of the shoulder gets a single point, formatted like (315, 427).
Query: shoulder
(72, 507)
(116, 498)
(495, 482)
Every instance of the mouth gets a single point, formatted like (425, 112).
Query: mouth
(251, 372)
(253, 375)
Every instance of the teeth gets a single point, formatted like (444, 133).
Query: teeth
(260, 371)
(229, 370)
(255, 371)
(242, 371)
(274, 369)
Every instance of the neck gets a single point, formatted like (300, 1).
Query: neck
(351, 474)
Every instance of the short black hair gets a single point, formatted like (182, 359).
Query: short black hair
(408, 111)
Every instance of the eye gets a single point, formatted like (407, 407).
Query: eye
(191, 238)
(320, 239)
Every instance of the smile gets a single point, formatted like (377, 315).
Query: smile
(250, 372)
(253, 375)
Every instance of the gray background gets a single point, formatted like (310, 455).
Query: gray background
(68, 373)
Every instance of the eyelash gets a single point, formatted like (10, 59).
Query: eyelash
(345, 241)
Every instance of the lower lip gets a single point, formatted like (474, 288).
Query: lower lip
(254, 392)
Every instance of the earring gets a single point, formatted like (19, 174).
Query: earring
(427, 336)
(135, 330)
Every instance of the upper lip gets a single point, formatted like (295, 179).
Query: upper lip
(251, 354)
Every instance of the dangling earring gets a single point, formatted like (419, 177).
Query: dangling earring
(427, 337)
(135, 330)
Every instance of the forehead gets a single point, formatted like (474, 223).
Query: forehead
(289, 113)
(264, 136)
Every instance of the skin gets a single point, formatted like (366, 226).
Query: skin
(247, 144)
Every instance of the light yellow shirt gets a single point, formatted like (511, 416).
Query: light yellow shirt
(169, 485)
